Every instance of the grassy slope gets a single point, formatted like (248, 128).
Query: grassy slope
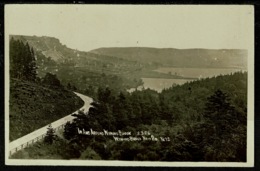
(33, 106)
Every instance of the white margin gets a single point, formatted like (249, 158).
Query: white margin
(250, 121)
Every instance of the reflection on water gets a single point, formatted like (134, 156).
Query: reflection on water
(159, 84)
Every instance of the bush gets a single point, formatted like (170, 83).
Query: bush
(51, 80)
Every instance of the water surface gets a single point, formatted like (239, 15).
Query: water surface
(159, 84)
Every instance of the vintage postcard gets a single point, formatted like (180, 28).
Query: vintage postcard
(129, 85)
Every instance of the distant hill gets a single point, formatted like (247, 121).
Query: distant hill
(136, 56)
(59, 54)
(122, 68)
(52, 48)
(86, 69)
(49, 46)
(231, 58)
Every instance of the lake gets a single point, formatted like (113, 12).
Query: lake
(159, 84)
(198, 72)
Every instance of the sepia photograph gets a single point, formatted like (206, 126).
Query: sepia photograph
(129, 85)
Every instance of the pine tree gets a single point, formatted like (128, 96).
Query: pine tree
(13, 57)
(32, 65)
(22, 61)
(220, 112)
(69, 86)
(221, 123)
(26, 56)
(70, 130)
(18, 62)
(50, 135)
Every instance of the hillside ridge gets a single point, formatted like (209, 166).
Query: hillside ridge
(170, 57)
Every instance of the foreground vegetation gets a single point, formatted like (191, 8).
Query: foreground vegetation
(34, 101)
(204, 120)
(33, 106)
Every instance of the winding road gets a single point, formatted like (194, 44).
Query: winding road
(38, 134)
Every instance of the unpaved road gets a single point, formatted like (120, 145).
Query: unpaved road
(17, 144)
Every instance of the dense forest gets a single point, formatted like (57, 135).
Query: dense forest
(203, 120)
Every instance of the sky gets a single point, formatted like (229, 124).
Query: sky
(87, 27)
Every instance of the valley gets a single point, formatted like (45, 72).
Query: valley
(126, 68)
(174, 102)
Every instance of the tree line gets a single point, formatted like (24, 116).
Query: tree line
(205, 121)
(22, 61)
